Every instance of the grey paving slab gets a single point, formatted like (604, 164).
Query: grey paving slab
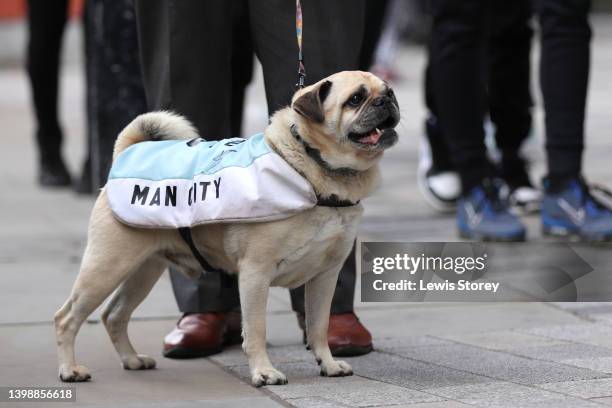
(605, 318)
(314, 402)
(254, 402)
(583, 389)
(601, 364)
(607, 401)
(234, 356)
(364, 393)
(504, 394)
(586, 308)
(55, 283)
(462, 318)
(583, 332)
(441, 404)
(563, 352)
(567, 402)
(410, 373)
(27, 356)
(305, 382)
(502, 340)
(499, 365)
(410, 341)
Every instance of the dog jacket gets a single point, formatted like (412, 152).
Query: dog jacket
(179, 183)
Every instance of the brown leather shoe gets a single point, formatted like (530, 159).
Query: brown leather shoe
(197, 335)
(346, 335)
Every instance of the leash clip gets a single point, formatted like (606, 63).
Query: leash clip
(301, 79)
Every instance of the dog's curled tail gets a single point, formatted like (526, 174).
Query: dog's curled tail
(161, 125)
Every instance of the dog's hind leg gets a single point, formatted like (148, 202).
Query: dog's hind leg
(113, 252)
(318, 294)
(117, 313)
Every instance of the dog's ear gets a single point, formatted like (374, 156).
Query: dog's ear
(310, 105)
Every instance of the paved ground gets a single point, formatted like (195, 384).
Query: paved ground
(427, 355)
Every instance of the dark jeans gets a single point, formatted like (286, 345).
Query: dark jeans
(457, 52)
(505, 83)
(46, 22)
(564, 77)
(190, 61)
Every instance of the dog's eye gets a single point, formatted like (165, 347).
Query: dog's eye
(356, 99)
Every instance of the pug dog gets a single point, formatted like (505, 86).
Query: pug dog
(333, 134)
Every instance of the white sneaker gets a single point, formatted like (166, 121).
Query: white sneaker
(440, 189)
(525, 200)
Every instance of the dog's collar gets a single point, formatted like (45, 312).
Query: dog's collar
(315, 155)
(334, 201)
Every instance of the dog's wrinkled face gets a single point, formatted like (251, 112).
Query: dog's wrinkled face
(349, 118)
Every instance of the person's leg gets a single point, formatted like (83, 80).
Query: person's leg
(242, 63)
(509, 96)
(564, 76)
(456, 54)
(178, 41)
(275, 44)
(437, 177)
(332, 33)
(332, 36)
(456, 57)
(569, 207)
(46, 22)
(375, 16)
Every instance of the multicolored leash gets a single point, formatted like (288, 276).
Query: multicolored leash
(298, 31)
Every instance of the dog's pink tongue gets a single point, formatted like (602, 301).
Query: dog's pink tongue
(371, 138)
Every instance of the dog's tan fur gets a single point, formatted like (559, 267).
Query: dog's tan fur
(308, 248)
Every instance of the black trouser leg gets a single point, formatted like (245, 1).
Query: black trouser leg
(47, 19)
(186, 50)
(331, 43)
(186, 53)
(456, 53)
(211, 292)
(242, 64)
(564, 75)
(507, 76)
(375, 11)
(509, 96)
(440, 154)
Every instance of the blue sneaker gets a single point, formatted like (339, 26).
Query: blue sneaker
(482, 215)
(573, 211)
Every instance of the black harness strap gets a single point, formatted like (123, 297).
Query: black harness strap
(186, 235)
(225, 279)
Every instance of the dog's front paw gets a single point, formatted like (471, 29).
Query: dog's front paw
(268, 376)
(74, 373)
(337, 368)
(138, 362)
